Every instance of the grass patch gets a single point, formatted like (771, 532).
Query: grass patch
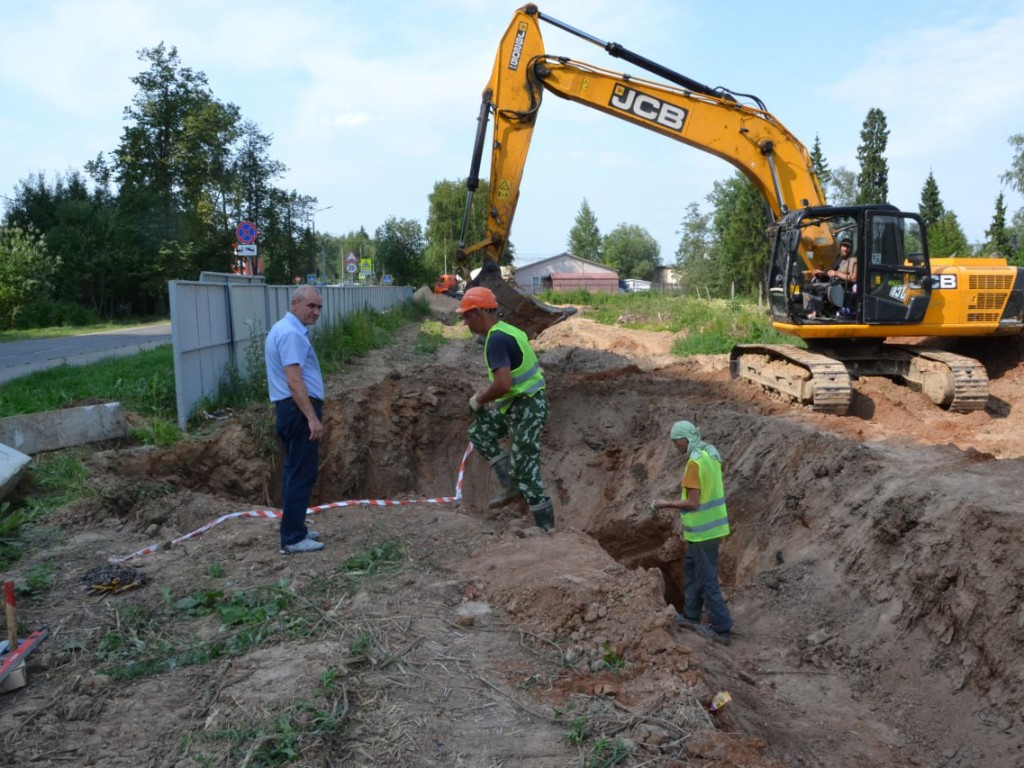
(713, 326)
(385, 558)
(286, 736)
(362, 332)
(430, 337)
(140, 643)
(57, 479)
(143, 383)
(145, 641)
(60, 331)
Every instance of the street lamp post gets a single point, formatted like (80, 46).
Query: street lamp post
(323, 255)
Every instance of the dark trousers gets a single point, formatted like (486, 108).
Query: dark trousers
(700, 571)
(301, 459)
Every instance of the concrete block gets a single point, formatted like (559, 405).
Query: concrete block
(12, 463)
(52, 430)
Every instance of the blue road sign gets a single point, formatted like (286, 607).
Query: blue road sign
(246, 232)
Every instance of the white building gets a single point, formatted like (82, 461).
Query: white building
(566, 272)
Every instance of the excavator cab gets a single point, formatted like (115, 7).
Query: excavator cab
(893, 282)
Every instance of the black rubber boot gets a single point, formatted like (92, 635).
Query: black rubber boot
(509, 490)
(544, 514)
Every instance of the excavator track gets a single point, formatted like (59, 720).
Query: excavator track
(807, 377)
(821, 378)
(949, 380)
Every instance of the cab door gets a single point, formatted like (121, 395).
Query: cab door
(895, 281)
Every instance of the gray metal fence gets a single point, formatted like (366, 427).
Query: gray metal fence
(213, 322)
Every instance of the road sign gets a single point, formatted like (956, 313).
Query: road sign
(245, 250)
(351, 267)
(311, 278)
(246, 232)
(351, 258)
(387, 279)
(366, 265)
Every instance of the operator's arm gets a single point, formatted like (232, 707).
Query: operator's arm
(297, 388)
(847, 270)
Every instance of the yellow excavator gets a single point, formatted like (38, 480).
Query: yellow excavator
(898, 290)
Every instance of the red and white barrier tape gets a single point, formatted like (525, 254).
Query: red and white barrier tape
(276, 513)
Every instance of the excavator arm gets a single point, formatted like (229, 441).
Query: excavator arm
(712, 120)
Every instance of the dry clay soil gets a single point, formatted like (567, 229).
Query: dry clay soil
(873, 572)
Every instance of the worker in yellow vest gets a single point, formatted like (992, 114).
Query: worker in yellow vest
(513, 407)
(705, 522)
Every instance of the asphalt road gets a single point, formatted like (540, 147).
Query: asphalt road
(18, 358)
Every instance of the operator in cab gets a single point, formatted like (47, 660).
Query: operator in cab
(843, 273)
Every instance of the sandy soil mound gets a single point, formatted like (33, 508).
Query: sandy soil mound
(872, 572)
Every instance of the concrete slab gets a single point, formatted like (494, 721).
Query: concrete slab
(52, 430)
(12, 464)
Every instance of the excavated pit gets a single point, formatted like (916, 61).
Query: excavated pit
(873, 569)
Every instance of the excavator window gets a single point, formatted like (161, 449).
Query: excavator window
(896, 290)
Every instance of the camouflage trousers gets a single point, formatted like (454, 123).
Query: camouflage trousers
(522, 424)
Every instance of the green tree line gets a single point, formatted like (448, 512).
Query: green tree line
(102, 242)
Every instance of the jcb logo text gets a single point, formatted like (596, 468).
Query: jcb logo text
(517, 47)
(648, 108)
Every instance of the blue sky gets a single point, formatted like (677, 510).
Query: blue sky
(371, 102)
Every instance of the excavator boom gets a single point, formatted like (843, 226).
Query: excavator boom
(684, 110)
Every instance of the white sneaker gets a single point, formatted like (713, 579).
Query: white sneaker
(306, 545)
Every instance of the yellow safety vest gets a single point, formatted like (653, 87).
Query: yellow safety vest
(528, 378)
(709, 520)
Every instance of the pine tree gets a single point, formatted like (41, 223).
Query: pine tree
(820, 164)
(999, 239)
(584, 237)
(931, 207)
(947, 238)
(873, 180)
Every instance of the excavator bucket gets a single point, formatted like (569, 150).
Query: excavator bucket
(525, 313)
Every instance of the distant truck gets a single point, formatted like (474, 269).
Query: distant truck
(447, 284)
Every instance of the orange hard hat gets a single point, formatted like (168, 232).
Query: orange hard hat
(477, 298)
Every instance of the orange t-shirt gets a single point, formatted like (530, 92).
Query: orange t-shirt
(691, 478)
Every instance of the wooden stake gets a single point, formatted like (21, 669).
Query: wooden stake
(12, 616)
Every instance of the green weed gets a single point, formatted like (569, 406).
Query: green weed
(137, 646)
(611, 659)
(360, 647)
(579, 731)
(37, 581)
(386, 557)
(607, 753)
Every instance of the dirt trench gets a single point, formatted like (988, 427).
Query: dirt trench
(872, 574)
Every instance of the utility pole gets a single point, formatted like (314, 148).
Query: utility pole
(323, 254)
